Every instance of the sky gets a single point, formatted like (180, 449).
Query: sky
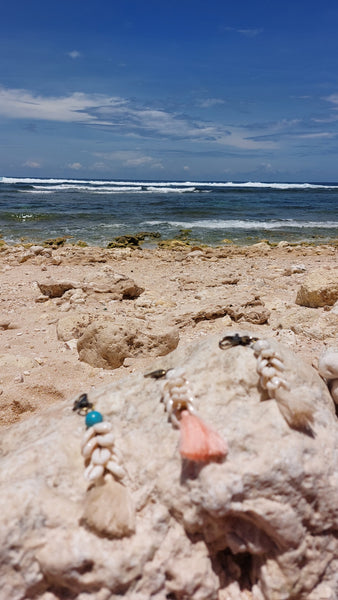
(240, 90)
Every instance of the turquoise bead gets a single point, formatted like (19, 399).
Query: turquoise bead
(93, 417)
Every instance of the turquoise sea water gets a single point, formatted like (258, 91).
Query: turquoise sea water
(96, 211)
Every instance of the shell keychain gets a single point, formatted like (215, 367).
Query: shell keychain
(297, 412)
(108, 508)
(198, 441)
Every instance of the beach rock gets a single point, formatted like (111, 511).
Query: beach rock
(250, 310)
(106, 343)
(319, 288)
(295, 269)
(55, 289)
(306, 321)
(120, 286)
(37, 250)
(117, 285)
(262, 524)
(73, 325)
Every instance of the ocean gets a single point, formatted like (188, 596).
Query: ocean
(96, 211)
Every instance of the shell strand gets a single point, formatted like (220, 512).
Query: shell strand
(177, 395)
(98, 451)
(297, 412)
(198, 441)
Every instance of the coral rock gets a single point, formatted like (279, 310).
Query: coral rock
(107, 343)
(262, 524)
(318, 289)
(55, 289)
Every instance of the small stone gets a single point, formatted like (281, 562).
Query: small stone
(42, 298)
(71, 344)
(19, 378)
(39, 360)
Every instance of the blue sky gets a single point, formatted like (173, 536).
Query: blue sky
(180, 90)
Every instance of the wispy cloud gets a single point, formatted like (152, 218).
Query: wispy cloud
(319, 134)
(32, 164)
(77, 107)
(333, 98)
(130, 158)
(250, 32)
(208, 102)
(75, 166)
(246, 31)
(74, 54)
(123, 116)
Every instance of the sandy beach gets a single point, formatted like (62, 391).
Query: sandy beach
(190, 291)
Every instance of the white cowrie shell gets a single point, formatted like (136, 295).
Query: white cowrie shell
(88, 448)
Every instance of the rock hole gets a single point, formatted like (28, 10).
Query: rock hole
(85, 567)
(236, 567)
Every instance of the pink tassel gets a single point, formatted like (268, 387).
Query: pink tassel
(198, 442)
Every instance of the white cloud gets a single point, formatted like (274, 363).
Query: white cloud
(332, 98)
(210, 102)
(22, 104)
(250, 32)
(320, 134)
(76, 166)
(247, 31)
(31, 163)
(123, 116)
(186, 168)
(130, 158)
(74, 54)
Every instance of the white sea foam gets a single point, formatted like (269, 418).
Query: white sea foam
(168, 190)
(241, 224)
(124, 185)
(87, 188)
(36, 191)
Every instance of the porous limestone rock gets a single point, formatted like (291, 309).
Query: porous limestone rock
(120, 286)
(261, 525)
(106, 342)
(319, 288)
(73, 325)
(55, 289)
(250, 309)
(117, 285)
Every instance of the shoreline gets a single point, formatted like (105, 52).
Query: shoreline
(140, 240)
(189, 290)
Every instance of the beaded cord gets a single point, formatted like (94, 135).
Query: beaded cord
(98, 443)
